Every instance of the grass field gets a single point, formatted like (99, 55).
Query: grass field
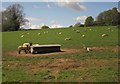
(72, 65)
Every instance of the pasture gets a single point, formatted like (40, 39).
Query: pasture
(74, 64)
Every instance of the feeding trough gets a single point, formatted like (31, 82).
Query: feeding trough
(45, 48)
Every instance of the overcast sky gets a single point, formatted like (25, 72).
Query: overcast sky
(60, 14)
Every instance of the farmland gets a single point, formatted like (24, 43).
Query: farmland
(74, 64)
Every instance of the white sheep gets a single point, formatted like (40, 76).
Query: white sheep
(59, 33)
(109, 28)
(88, 49)
(68, 38)
(23, 48)
(28, 45)
(83, 35)
(103, 35)
(22, 36)
(38, 33)
(77, 31)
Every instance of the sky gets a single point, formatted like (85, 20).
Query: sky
(60, 14)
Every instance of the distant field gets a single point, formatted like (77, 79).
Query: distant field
(72, 65)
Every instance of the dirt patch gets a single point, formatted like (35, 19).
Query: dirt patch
(63, 51)
(55, 66)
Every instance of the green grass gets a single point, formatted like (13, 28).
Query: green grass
(99, 66)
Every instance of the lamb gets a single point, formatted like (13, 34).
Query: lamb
(68, 38)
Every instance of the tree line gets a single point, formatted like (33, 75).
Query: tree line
(108, 17)
(14, 17)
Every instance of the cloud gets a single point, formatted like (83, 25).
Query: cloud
(56, 26)
(30, 26)
(32, 19)
(34, 27)
(73, 4)
(2, 9)
(80, 19)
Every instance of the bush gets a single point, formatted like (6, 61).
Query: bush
(44, 27)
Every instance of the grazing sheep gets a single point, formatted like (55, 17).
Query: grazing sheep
(103, 35)
(22, 48)
(77, 31)
(27, 33)
(22, 36)
(38, 33)
(68, 38)
(109, 28)
(28, 46)
(59, 33)
(90, 29)
(83, 35)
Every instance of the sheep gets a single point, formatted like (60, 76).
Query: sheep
(38, 33)
(27, 33)
(68, 38)
(77, 31)
(59, 33)
(22, 48)
(109, 28)
(28, 46)
(88, 49)
(83, 35)
(103, 35)
(22, 36)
